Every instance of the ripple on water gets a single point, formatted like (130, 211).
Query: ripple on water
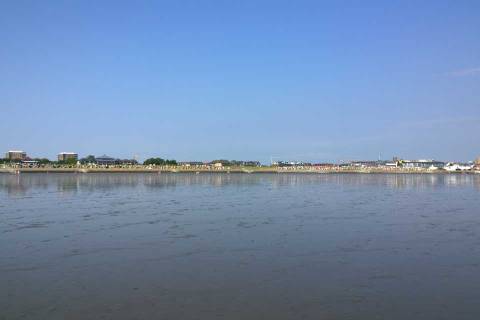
(240, 246)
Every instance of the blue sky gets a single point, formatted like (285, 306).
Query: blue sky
(202, 80)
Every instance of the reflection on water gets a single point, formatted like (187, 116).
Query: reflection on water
(69, 183)
(239, 246)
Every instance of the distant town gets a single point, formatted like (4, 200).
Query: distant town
(18, 161)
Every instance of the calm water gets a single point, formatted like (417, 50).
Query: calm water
(239, 246)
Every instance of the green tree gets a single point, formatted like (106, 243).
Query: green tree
(223, 162)
(68, 162)
(159, 162)
(88, 159)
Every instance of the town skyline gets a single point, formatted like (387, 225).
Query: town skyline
(63, 156)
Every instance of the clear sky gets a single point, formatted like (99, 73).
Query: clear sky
(246, 80)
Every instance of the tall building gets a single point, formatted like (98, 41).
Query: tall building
(64, 156)
(16, 155)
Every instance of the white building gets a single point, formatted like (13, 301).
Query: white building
(452, 167)
(422, 164)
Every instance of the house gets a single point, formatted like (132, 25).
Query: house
(391, 164)
(192, 164)
(105, 160)
(291, 164)
(220, 163)
(127, 162)
(238, 163)
(323, 165)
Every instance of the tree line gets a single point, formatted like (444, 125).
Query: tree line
(159, 162)
(91, 159)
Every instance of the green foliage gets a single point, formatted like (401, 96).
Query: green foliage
(159, 162)
(88, 159)
(9, 161)
(43, 161)
(68, 162)
(223, 162)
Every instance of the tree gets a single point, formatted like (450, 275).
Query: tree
(68, 162)
(225, 163)
(88, 159)
(159, 162)
(171, 162)
(154, 162)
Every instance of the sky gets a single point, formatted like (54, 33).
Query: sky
(320, 81)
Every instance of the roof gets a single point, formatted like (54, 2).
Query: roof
(422, 161)
(105, 157)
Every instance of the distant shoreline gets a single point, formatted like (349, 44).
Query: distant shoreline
(242, 170)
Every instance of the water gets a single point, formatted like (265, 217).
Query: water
(239, 246)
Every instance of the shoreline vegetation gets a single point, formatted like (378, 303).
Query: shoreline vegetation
(18, 162)
(246, 170)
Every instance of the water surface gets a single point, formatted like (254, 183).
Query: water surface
(239, 246)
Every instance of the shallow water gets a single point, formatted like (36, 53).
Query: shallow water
(239, 246)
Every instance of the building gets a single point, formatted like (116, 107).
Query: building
(367, 163)
(291, 164)
(192, 164)
(421, 164)
(392, 164)
(105, 160)
(220, 163)
(126, 162)
(16, 155)
(245, 163)
(324, 165)
(30, 163)
(234, 163)
(455, 167)
(64, 156)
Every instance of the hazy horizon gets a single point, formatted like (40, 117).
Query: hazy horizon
(186, 80)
